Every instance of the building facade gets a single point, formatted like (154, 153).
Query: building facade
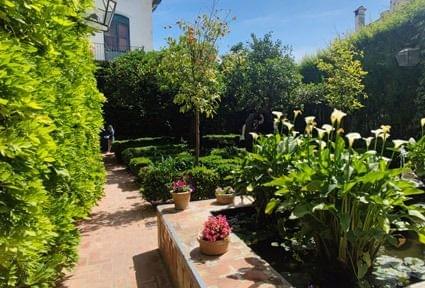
(131, 29)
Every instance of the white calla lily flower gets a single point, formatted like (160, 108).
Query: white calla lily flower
(384, 136)
(321, 143)
(277, 114)
(297, 113)
(352, 137)
(377, 132)
(254, 135)
(368, 141)
(328, 128)
(423, 122)
(386, 128)
(309, 120)
(321, 133)
(398, 143)
(288, 125)
(336, 116)
(412, 140)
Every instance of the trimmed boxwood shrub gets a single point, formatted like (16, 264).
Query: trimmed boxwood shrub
(205, 181)
(153, 152)
(120, 145)
(51, 171)
(137, 163)
(156, 179)
(218, 141)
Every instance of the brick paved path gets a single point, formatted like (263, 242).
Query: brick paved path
(119, 246)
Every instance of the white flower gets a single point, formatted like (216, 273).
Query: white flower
(368, 141)
(277, 114)
(352, 137)
(384, 136)
(423, 122)
(412, 140)
(398, 143)
(254, 135)
(310, 124)
(288, 125)
(295, 133)
(386, 128)
(377, 132)
(309, 120)
(321, 143)
(321, 133)
(297, 113)
(337, 116)
(328, 128)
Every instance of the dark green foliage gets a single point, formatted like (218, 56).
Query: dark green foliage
(261, 76)
(229, 152)
(219, 141)
(51, 172)
(137, 163)
(120, 145)
(216, 169)
(416, 157)
(272, 156)
(224, 161)
(139, 101)
(205, 181)
(153, 152)
(156, 179)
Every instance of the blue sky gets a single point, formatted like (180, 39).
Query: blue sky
(306, 25)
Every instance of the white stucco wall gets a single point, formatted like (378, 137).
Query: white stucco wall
(139, 13)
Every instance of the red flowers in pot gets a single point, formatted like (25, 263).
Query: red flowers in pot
(214, 239)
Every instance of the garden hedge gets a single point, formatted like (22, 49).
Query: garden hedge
(120, 145)
(51, 171)
(394, 92)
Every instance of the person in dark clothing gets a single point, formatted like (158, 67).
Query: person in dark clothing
(110, 136)
(266, 126)
(250, 126)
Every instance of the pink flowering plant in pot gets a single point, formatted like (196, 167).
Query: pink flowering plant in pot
(180, 186)
(181, 190)
(214, 239)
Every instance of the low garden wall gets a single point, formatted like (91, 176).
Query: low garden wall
(239, 267)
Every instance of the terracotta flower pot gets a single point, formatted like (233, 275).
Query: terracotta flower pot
(181, 200)
(225, 199)
(214, 248)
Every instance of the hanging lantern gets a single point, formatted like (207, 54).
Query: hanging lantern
(408, 57)
(100, 18)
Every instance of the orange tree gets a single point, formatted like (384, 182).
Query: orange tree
(191, 66)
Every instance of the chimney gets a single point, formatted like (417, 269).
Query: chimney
(360, 14)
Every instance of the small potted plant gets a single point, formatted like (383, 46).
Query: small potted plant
(214, 239)
(181, 190)
(225, 195)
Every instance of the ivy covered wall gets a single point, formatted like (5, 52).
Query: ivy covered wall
(394, 93)
(51, 172)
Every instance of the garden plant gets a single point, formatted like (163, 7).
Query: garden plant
(350, 203)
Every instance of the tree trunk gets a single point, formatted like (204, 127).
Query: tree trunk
(197, 137)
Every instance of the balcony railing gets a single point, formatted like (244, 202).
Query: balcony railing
(103, 53)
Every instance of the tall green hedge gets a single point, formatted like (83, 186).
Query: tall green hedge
(51, 171)
(393, 92)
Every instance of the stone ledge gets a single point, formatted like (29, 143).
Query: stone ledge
(240, 267)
